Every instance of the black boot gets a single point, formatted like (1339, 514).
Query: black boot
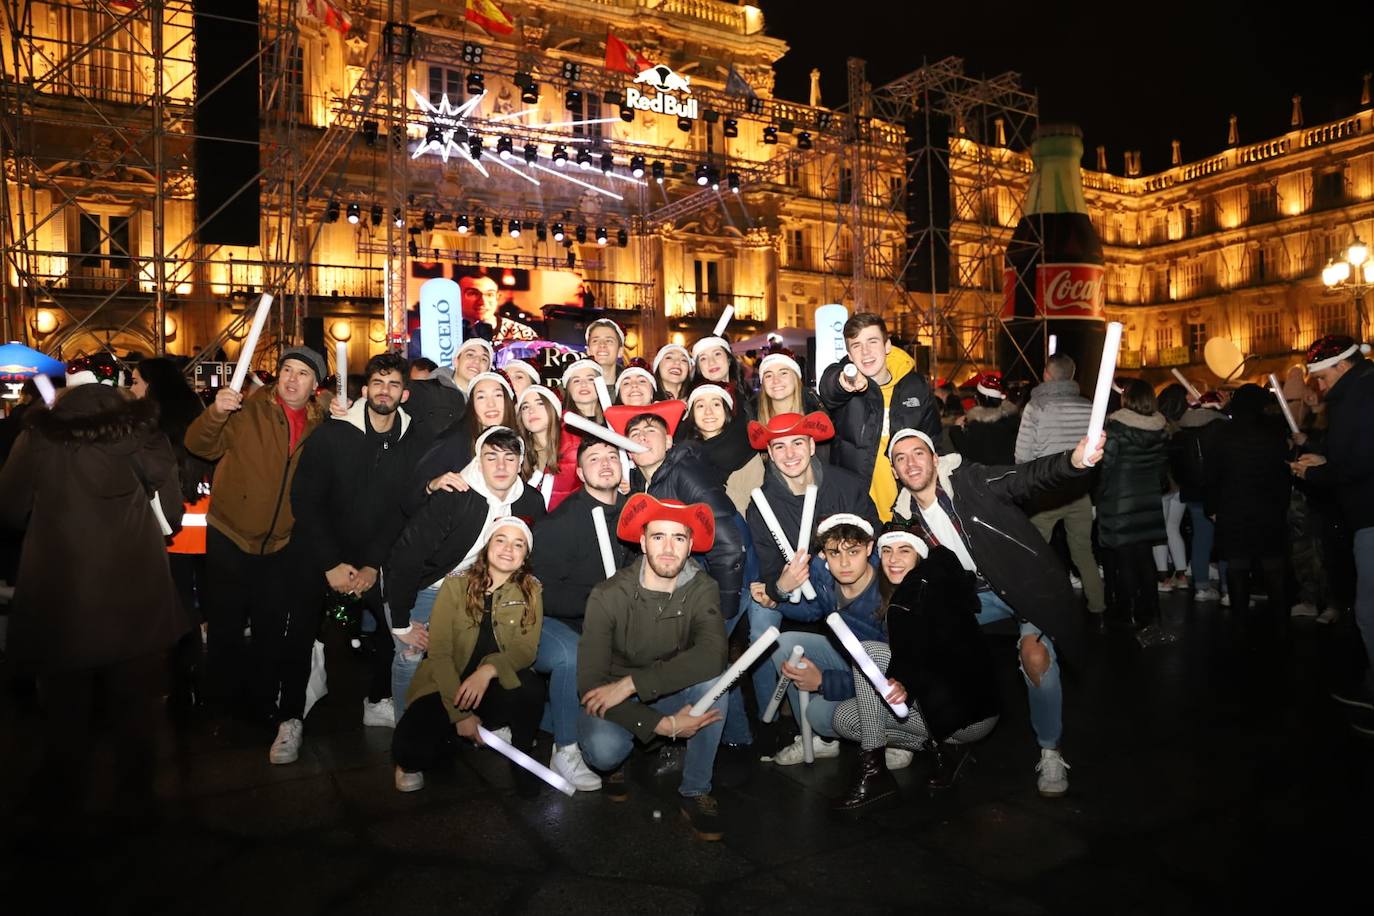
(874, 788)
(945, 763)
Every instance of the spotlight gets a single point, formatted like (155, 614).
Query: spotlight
(607, 163)
(433, 134)
(658, 172)
(475, 146)
(560, 155)
(370, 133)
(504, 147)
(477, 84)
(331, 212)
(376, 214)
(530, 93)
(567, 243)
(613, 97)
(472, 53)
(601, 235)
(584, 158)
(732, 180)
(354, 214)
(572, 71)
(637, 166)
(397, 217)
(541, 232)
(558, 232)
(803, 140)
(730, 128)
(497, 227)
(460, 135)
(622, 238)
(581, 232)
(770, 136)
(627, 114)
(427, 220)
(754, 105)
(462, 223)
(531, 153)
(684, 124)
(703, 175)
(515, 228)
(823, 119)
(572, 100)
(714, 175)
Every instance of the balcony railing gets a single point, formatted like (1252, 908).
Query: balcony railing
(706, 305)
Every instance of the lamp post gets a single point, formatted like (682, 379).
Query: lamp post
(1353, 271)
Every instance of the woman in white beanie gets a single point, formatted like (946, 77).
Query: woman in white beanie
(672, 369)
(711, 418)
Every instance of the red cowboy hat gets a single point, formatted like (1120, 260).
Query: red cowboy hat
(815, 424)
(641, 509)
(669, 412)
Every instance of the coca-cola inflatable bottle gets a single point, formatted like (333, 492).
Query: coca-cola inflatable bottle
(1052, 281)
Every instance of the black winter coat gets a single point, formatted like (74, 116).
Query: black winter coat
(938, 650)
(1133, 479)
(837, 490)
(858, 417)
(1188, 450)
(568, 558)
(988, 435)
(688, 477)
(1248, 483)
(435, 541)
(1017, 563)
(1349, 446)
(346, 494)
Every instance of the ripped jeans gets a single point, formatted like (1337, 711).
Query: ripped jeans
(1047, 700)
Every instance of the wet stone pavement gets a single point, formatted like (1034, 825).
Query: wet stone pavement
(1209, 775)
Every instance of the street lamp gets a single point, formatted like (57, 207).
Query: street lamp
(1352, 272)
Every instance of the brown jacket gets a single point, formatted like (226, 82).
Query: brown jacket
(252, 505)
(453, 636)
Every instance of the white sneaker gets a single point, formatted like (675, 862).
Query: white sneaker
(1053, 780)
(287, 746)
(794, 753)
(1303, 609)
(897, 758)
(1206, 594)
(503, 733)
(381, 714)
(1330, 615)
(1225, 600)
(1075, 583)
(1166, 584)
(409, 782)
(568, 763)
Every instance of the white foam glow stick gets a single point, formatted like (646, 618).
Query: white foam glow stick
(603, 394)
(808, 518)
(257, 382)
(851, 372)
(1054, 344)
(603, 540)
(779, 538)
(732, 674)
(1283, 404)
(780, 691)
(1192, 392)
(45, 388)
(515, 755)
(250, 343)
(605, 434)
(1111, 346)
(804, 701)
(864, 661)
(724, 322)
(341, 368)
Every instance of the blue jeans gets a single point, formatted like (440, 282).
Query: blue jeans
(406, 660)
(1364, 595)
(736, 718)
(557, 657)
(820, 712)
(1047, 700)
(765, 675)
(1204, 532)
(605, 745)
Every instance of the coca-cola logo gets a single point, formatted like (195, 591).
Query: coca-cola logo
(1071, 288)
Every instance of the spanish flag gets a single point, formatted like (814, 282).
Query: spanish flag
(489, 16)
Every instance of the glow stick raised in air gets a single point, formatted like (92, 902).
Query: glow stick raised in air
(1182, 380)
(603, 540)
(732, 674)
(603, 394)
(1111, 346)
(341, 368)
(851, 372)
(45, 388)
(724, 322)
(250, 343)
(779, 538)
(605, 434)
(864, 661)
(1283, 404)
(515, 755)
(1054, 344)
(780, 691)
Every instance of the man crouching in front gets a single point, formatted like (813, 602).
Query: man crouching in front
(653, 642)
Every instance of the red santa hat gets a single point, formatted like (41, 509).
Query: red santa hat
(786, 425)
(706, 343)
(633, 371)
(516, 522)
(522, 366)
(578, 366)
(779, 359)
(493, 376)
(1330, 350)
(668, 348)
(909, 434)
(641, 509)
(990, 386)
(704, 391)
(904, 536)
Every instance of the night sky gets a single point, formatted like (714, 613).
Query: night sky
(1148, 74)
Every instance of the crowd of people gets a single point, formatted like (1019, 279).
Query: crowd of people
(574, 556)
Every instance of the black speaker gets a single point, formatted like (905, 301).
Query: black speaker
(228, 205)
(312, 334)
(927, 203)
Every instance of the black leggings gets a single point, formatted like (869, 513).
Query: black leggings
(1270, 570)
(1135, 587)
(425, 736)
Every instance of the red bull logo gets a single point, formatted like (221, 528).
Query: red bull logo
(662, 101)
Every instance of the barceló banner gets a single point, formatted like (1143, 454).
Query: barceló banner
(1061, 291)
(441, 320)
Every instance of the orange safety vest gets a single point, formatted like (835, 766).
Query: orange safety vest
(191, 538)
